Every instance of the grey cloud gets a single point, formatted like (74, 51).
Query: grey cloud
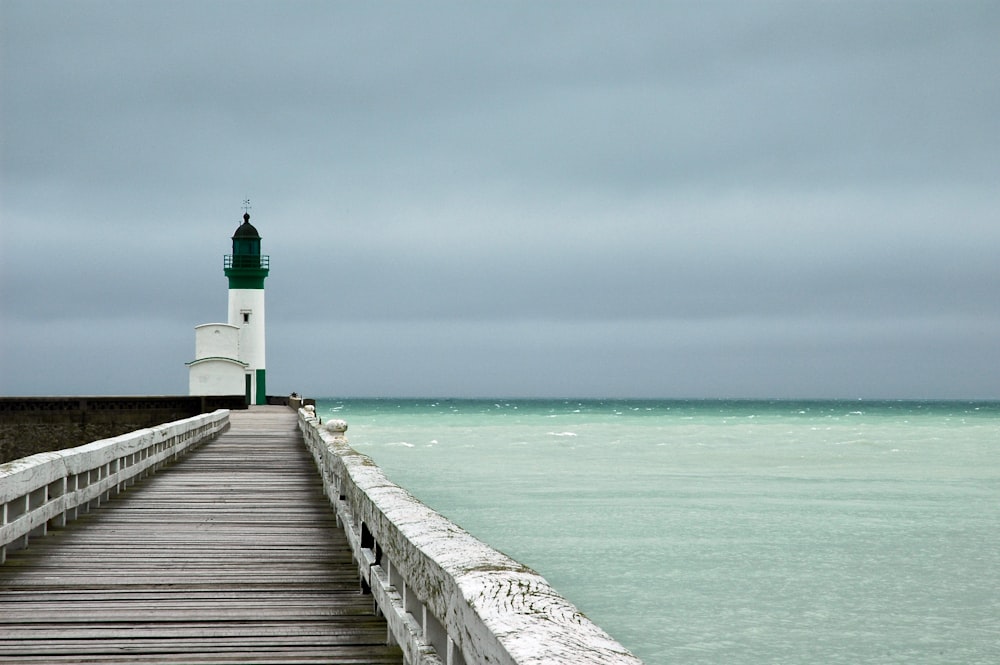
(712, 198)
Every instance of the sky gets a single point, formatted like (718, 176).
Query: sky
(519, 199)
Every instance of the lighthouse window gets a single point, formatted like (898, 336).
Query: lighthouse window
(246, 317)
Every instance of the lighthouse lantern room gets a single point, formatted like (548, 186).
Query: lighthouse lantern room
(229, 358)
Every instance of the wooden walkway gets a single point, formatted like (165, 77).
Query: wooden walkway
(230, 556)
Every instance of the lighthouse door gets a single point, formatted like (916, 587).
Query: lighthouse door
(248, 394)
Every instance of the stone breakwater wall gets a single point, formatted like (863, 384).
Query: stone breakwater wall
(30, 425)
(448, 598)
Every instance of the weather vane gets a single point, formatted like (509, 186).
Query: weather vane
(246, 206)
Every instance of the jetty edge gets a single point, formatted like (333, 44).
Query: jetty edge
(447, 597)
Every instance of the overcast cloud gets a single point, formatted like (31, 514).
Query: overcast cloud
(663, 199)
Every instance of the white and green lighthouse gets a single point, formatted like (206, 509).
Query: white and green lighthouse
(246, 269)
(229, 357)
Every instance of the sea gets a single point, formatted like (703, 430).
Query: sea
(726, 531)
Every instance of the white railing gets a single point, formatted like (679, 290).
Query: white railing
(448, 598)
(49, 489)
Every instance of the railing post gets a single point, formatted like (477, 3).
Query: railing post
(337, 428)
(3, 521)
(60, 490)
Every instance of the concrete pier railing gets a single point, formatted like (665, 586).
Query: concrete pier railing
(447, 597)
(49, 489)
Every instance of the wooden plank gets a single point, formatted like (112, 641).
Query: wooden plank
(338, 655)
(230, 556)
(259, 630)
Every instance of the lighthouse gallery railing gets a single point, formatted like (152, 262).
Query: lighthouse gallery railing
(255, 261)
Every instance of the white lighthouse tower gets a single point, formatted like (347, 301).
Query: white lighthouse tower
(246, 269)
(229, 358)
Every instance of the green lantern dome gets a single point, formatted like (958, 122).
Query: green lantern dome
(246, 268)
(246, 229)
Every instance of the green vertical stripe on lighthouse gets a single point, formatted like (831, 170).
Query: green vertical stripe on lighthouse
(261, 388)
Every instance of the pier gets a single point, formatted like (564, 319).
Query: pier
(258, 536)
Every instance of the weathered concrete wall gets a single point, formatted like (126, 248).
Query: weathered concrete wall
(449, 599)
(30, 425)
(295, 402)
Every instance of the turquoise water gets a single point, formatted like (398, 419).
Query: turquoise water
(726, 531)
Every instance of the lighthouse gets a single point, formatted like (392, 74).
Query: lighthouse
(230, 357)
(246, 269)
